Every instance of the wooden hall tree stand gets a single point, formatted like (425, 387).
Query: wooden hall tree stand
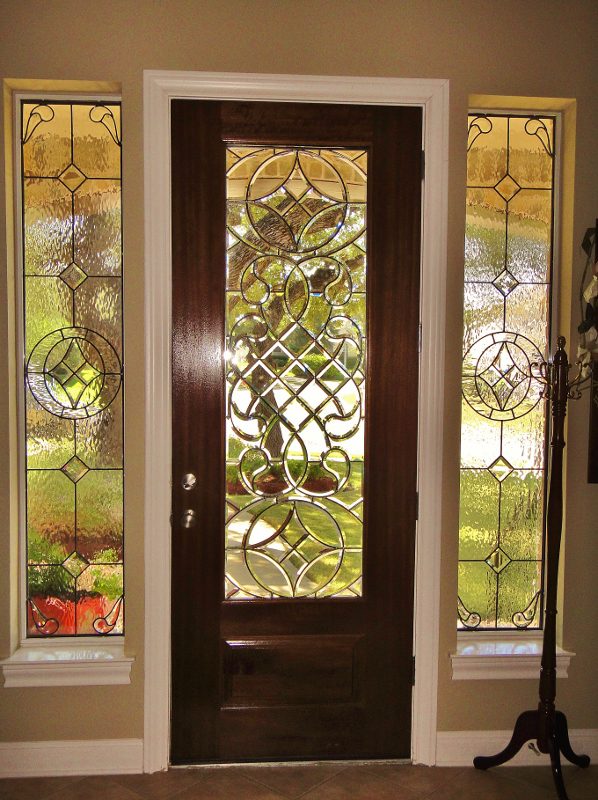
(547, 725)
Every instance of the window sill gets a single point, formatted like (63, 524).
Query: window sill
(65, 664)
(486, 655)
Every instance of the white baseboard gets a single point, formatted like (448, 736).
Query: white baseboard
(458, 748)
(82, 757)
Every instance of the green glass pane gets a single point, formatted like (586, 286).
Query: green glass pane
(50, 516)
(478, 590)
(295, 372)
(47, 229)
(521, 507)
(100, 516)
(96, 137)
(46, 132)
(97, 229)
(478, 519)
(518, 585)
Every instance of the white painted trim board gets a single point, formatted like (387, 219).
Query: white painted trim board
(80, 757)
(459, 748)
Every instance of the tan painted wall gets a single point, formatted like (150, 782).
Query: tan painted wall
(544, 48)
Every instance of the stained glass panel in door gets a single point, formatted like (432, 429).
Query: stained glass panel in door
(295, 371)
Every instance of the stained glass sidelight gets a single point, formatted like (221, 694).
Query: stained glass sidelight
(508, 264)
(72, 293)
(295, 371)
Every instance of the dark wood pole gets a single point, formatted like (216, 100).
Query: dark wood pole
(547, 725)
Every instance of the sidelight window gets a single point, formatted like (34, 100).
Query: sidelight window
(507, 311)
(72, 360)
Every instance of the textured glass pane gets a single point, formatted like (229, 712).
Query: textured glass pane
(295, 319)
(50, 516)
(46, 134)
(48, 307)
(97, 227)
(48, 226)
(510, 203)
(478, 524)
(96, 140)
(73, 346)
(98, 306)
(485, 235)
(100, 516)
(51, 439)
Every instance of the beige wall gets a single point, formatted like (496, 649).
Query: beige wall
(543, 48)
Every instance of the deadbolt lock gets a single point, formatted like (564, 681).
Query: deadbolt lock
(189, 481)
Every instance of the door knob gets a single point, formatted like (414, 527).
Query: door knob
(189, 518)
(189, 481)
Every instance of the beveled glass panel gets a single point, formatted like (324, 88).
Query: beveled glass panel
(71, 223)
(295, 372)
(508, 252)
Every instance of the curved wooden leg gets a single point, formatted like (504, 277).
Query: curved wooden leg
(555, 763)
(526, 728)
(564, 745)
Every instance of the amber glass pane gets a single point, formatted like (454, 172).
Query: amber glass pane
(508, 258)
(295, 371)
(71, 223)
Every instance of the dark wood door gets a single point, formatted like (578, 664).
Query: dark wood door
(295, 383)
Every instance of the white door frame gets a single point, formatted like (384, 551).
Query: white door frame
(432, 95)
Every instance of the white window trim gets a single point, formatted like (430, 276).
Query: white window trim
(502, 655)
(65, 661)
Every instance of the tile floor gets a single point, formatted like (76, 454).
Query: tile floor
(323, 781)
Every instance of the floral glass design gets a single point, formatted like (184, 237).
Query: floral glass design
(508, 266)
(72, 298)
(295, 372)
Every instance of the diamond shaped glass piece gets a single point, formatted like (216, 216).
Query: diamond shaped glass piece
(296, 377)
(75, 469)
(507, 188)
(73, 276)
(72, 177)
(87, 372)
(74, 357)
(297, 340)
(498, 560)
(74, 387)
(500, 469)
(75, 564)
(277, 359)
(505, 282)
(61, 372)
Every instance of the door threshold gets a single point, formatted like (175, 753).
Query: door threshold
(353, 762)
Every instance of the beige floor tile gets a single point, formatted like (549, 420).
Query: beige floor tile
(94, 788)
(160, 785)
(225, 784)
(355, 783)
(32, 788)
(418, 778)
(292, 780)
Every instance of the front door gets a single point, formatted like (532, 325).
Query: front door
(296, 260)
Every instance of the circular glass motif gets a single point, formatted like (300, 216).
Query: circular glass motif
(74, 373)
(497, 377)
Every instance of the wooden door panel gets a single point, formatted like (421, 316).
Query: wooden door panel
(293, 678)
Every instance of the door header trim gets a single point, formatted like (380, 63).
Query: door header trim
(160, 87)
